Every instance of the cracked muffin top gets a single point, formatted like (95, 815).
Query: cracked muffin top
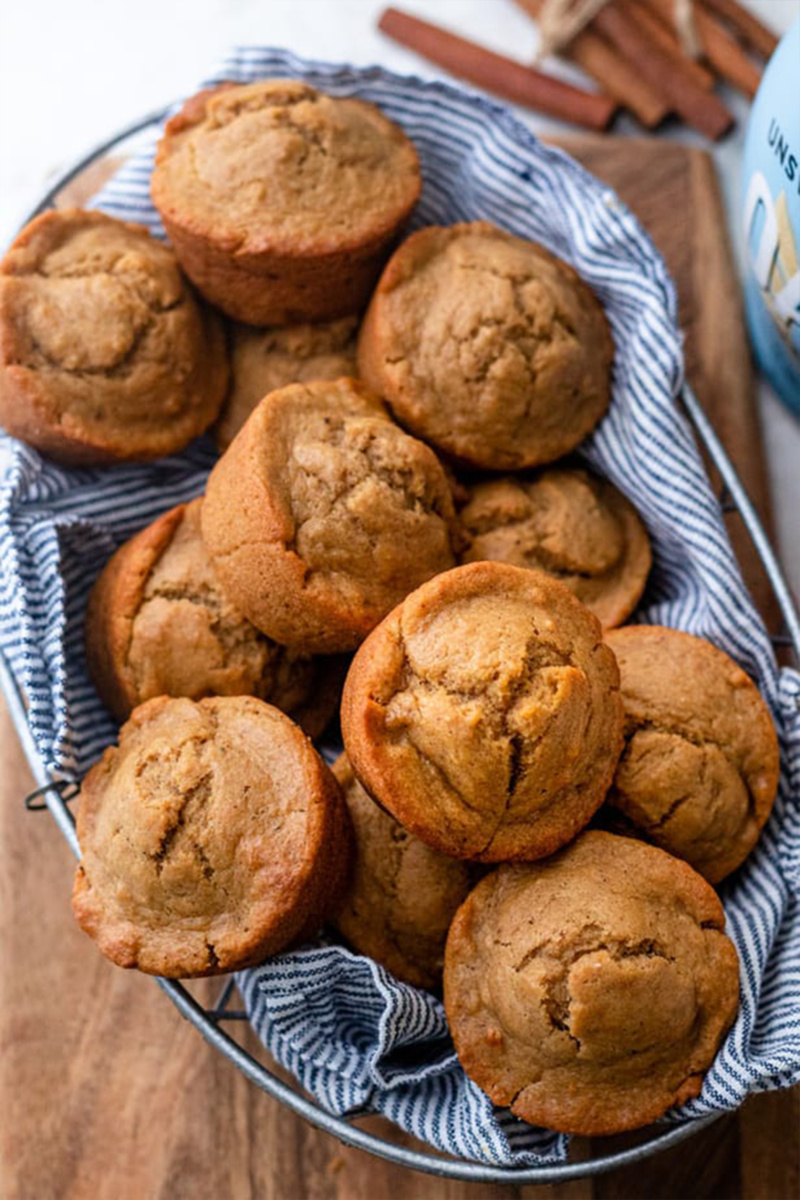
(158, 623)
(487, 346)
(212, 837)
(105, 353)
(484, 713)
(276, 165)
(323, 514)
(263, 360)
(590, 992)
(569, 523)
(700, 767)
(402, 895)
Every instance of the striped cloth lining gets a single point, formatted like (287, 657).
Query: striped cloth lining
(353, 1036)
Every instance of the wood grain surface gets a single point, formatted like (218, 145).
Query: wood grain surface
(107, 1094)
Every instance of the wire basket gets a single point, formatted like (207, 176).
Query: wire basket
(217, 1021)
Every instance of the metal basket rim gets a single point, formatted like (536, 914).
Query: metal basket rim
(429, 1163)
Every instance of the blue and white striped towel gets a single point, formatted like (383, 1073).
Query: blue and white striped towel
(352, 1035)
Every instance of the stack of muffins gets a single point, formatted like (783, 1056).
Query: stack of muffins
(532, 803)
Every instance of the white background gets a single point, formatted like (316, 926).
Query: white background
(73, 71)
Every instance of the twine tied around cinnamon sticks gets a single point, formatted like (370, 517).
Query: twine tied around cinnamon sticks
(560, 22)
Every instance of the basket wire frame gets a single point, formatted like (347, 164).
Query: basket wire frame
(55, 795)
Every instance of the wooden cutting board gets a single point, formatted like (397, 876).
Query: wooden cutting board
(106, 1094)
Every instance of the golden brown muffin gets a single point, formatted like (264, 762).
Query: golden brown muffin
(590, 992)
(282, 203)
(484, 713)
(158, 624)
(487, 346)
(700, 768)
(263, 360)
(569, 523)
(402, 896)
(323, 514)
(213, 837)
(105, 354)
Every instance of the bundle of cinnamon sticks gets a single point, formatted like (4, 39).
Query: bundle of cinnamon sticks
(630, 48)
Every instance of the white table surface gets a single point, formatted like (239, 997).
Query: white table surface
(73, 71)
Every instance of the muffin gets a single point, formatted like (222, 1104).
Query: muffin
(700, 768)
(487, 346)
(263, 360)
(484, 713)
(158, 623)
(569, 523)
(401, 896)
(212, 837)
(105, 354)
(323, 514)
(283, 203)
(590, 992)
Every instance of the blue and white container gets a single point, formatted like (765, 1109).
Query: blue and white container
(771, 212)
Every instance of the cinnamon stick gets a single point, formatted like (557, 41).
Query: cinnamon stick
(702, 110)
(664, 34)
(719, 47)
(615, 74)
(752, 32)
(503, 76)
